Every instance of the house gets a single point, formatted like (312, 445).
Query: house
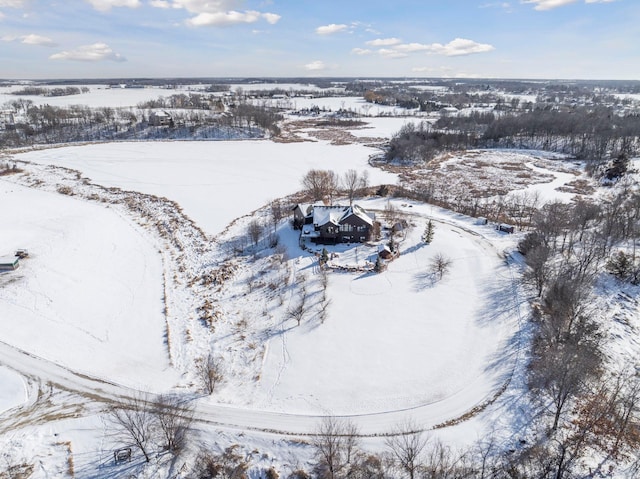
(9, 263)
(161, 118)
(333, 224)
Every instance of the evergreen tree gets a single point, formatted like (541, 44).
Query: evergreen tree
(324, 257)
(427, 236)
(379, 266)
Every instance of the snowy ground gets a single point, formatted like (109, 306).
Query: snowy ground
(214, 182)
(90, 290)
(13, 391)
(399, 339)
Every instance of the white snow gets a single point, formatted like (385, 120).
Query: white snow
(89, 296)
(214, 182)
(13, 391)
(399, 339)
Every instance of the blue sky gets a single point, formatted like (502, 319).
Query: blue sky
(586, 39)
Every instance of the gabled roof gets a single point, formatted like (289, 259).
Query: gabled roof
(322, 215)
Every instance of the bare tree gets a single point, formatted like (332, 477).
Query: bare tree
(298, 309)
(539, 268)
(135, 421)
(210, 371)
(335, 444)
(174, 417)
(254, 230)
(320, 184)
(406, 444)
(277, 212)
(440, 265)
(352, 182)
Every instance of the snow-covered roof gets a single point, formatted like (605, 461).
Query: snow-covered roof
(323, 215)
(8, 259)
(327, 214)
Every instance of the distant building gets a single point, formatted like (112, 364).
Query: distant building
(160, 118)
(9, 263)
(449, 111)
(333, 224)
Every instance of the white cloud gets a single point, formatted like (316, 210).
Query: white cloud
(271, 18)
(599, 1)
(384, 42)
(315, 66)
(217, 13)
(207, 6)
(13, 3)
(31, 39)
(549, 4)
(460, 46)
(505, 5)
(106, 5)
(223, 19)
(89, 53)
(413, 47)
(331, 28)
(391, 53)
(1, 15)
(361, 51)
(456, 47)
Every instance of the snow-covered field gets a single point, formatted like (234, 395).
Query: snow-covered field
(214, 182)
(13, 391)
(89, 296)
(400, 339)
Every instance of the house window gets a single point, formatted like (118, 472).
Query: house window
(361, 229)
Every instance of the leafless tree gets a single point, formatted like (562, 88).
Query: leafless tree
(254, 230)
(174, 416)
(134, 421)
(562, 371)
(335, 444)
(352, 182)
(210, 371)
(539, 272)
(407, 444)
(440, 265)
(320, 184)
(277, 212)
(298, 309)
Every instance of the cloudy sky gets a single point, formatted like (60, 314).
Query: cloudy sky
(588, 39)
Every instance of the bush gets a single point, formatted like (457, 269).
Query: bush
(624, 267)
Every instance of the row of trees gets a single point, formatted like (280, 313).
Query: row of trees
(325, 184)
(46, 124)
(593, 134)
(584, 407)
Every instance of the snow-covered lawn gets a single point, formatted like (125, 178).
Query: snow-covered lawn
(89, 296)
(214, 182)
(12, 390)
(391, 342)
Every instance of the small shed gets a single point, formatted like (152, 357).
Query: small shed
(505, 228)
(9, 263)
(384, 252)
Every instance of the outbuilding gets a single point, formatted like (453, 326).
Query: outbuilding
(9, 263)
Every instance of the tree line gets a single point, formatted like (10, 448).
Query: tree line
(47, 124)
(595, 135)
